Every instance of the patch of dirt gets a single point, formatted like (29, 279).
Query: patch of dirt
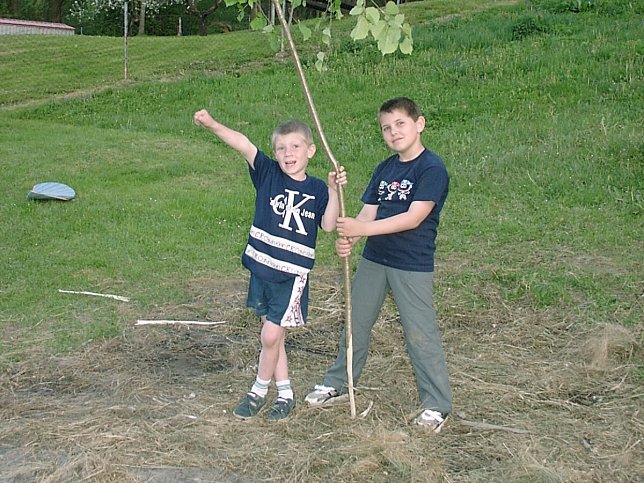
(539, 396)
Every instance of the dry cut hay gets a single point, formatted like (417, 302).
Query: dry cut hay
(610, 346)
(535, 400)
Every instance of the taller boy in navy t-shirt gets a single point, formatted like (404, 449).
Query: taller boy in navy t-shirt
(289, 207)
(400, 216)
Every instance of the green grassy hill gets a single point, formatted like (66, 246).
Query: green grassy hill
(535, 111)
(536, 108)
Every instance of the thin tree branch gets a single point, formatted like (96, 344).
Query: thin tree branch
(340, 191)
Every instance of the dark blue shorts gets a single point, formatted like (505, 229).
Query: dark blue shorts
(278, 301)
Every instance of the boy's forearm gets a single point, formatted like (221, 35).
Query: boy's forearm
(404, 221)
(365, 223)
(387, 226)
(236, 140)
(332, 212)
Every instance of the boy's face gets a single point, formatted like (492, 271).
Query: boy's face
(401, 132)
(293, 152)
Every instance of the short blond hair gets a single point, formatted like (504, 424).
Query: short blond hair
(292, 126)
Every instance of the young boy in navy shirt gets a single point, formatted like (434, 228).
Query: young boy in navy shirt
(289, 207)
(400, 217)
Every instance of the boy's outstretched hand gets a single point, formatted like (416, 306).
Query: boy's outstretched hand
(203, 118)
(334, 179)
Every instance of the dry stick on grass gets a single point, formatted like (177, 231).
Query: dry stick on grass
(490, 427)
(185, 322)
(107, 295)
(336, 166)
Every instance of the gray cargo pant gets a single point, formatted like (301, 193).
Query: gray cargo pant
(412, 293)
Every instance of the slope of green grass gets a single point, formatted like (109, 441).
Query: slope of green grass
(536, 111)
(34, 68)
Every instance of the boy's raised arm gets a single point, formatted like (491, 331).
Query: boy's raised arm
(236, 140)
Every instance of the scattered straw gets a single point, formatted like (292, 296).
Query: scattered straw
(538, 397)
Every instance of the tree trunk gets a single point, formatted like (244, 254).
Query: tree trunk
(13, 8)
(202, 14)
(56, 10)
(142, 18)
(203, 25)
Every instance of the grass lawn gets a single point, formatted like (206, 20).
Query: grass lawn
(536, 109)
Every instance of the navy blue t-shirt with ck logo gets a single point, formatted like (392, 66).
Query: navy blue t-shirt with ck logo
(281, 243)
(393, 187)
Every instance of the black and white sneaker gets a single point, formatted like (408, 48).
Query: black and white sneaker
(430, 419)
(321, 394)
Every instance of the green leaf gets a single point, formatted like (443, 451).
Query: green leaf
(378, 29)
(389, 39)
(397, 21)
(326, 36)
(319, 63)
(406, 46)
(273, 41)
(361, 30)
(406, 29)
(391, 8)
(373, 15)
(304, 30)
(358, 9)
(258, 23)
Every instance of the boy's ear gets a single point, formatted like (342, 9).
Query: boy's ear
(312, 150)
(420, 123)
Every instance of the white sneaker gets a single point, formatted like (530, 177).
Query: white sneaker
(321, 394)
(431, 419)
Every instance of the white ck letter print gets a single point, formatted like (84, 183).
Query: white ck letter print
(283, 205)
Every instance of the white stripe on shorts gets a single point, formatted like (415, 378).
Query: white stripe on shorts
(293, 316)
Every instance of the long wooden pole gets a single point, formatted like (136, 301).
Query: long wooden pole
(336, 166)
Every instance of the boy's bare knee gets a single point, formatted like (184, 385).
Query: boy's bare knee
(272, 335)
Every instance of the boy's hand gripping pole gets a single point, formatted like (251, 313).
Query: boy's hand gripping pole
(340, 191)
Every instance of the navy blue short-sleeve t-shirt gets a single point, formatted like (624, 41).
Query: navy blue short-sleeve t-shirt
(393, 187)
(282, 239)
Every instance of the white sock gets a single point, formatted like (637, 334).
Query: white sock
(260, 387)
(284, 389)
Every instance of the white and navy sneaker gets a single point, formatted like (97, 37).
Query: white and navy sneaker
(321, 394)
(430, 419)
